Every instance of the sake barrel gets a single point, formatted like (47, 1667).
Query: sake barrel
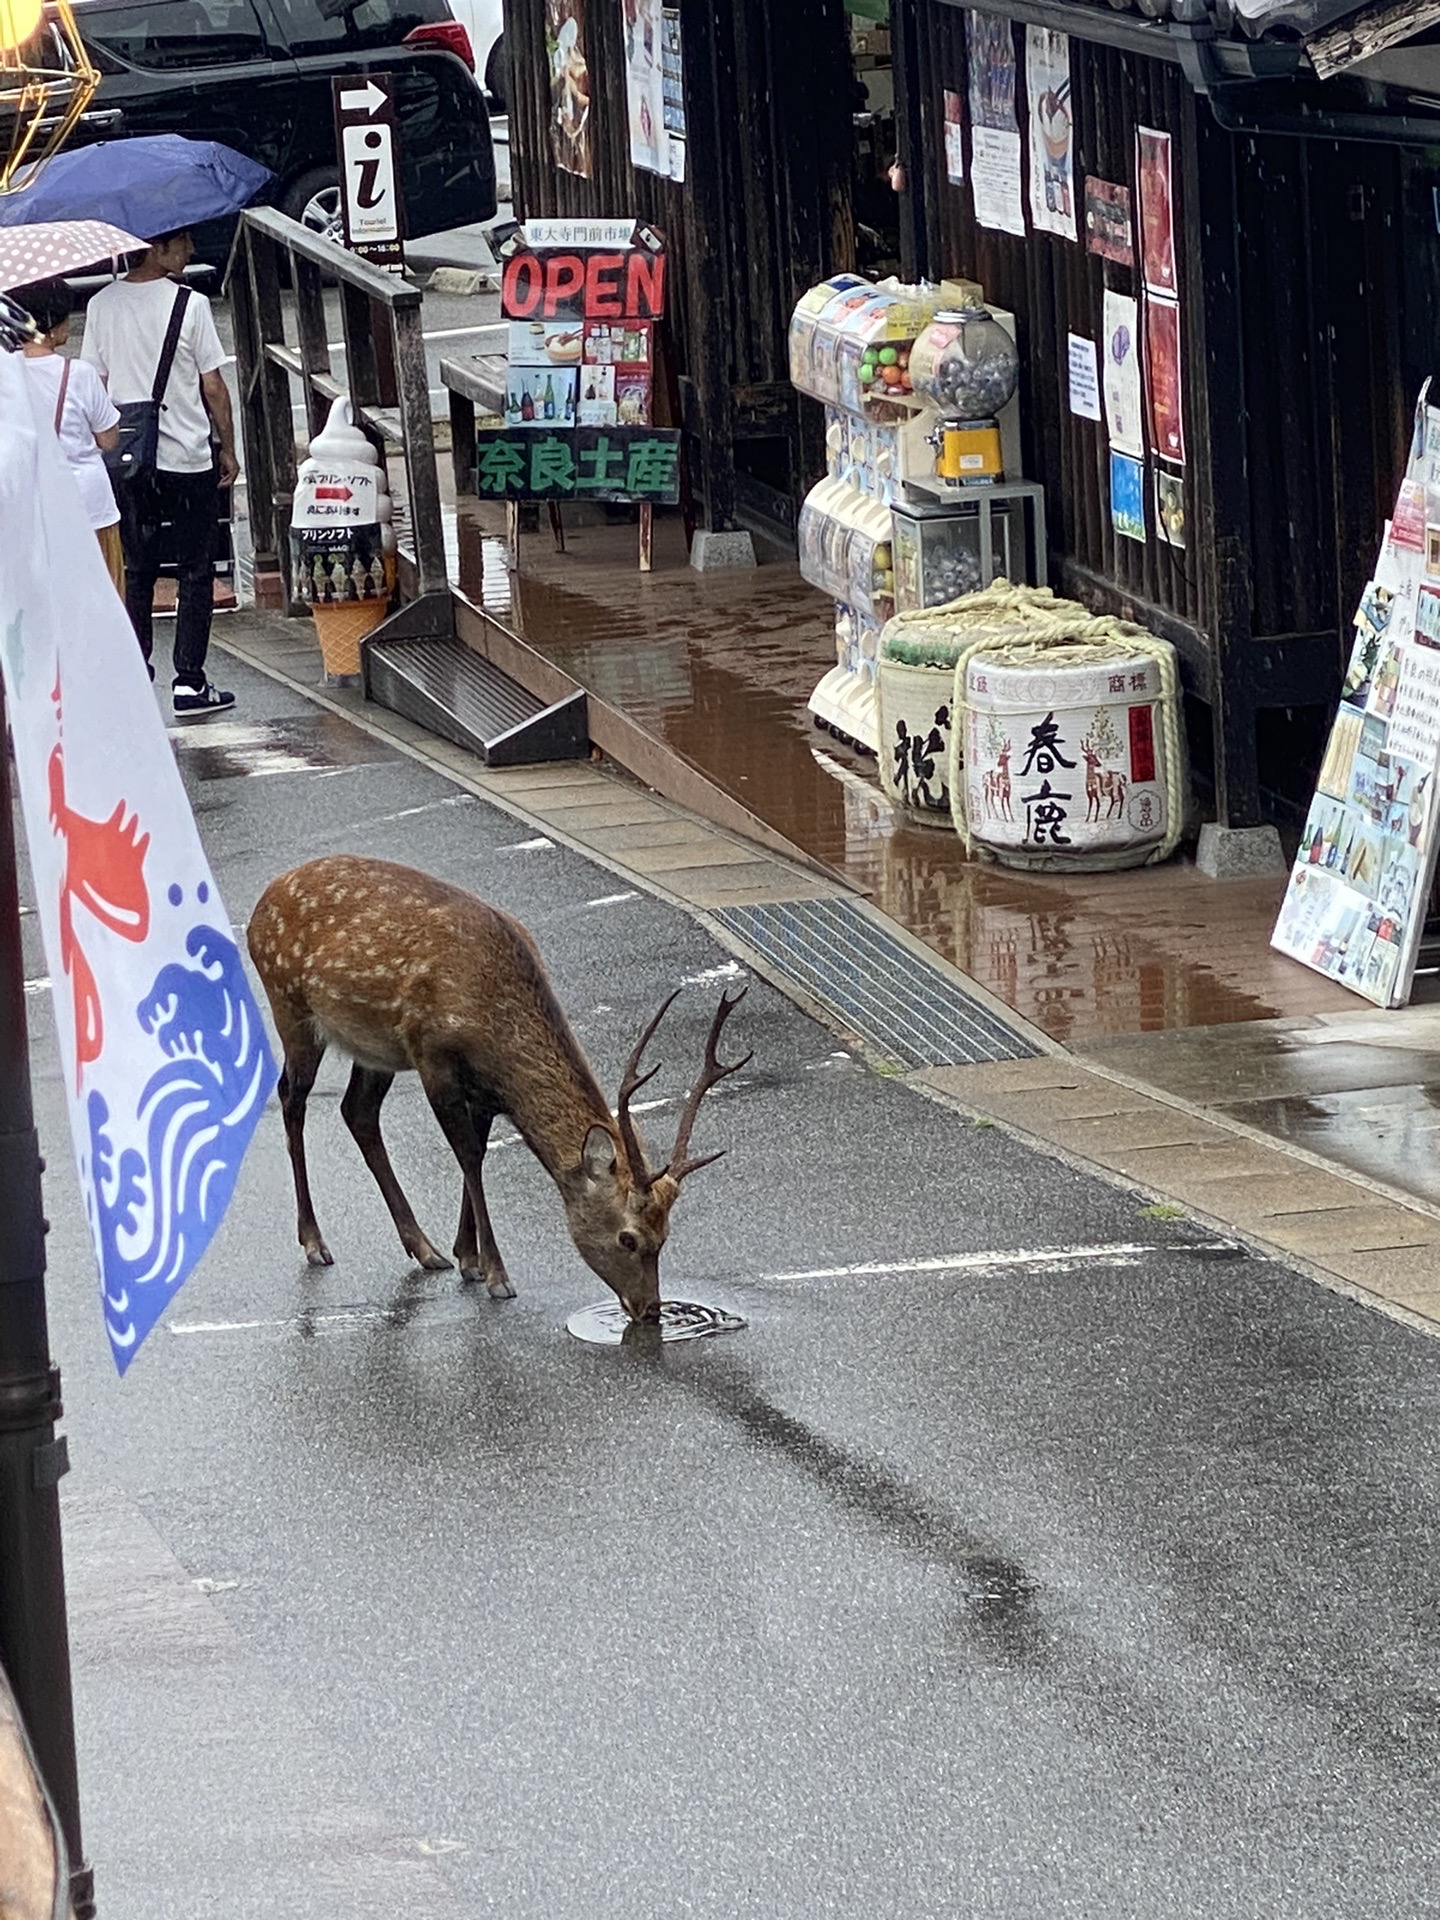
(1073, 754)
(915, 684)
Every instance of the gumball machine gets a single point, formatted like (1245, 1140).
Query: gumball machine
(966, 366)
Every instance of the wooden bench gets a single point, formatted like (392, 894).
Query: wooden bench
(476, 384)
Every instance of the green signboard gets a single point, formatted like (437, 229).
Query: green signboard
(579, 463)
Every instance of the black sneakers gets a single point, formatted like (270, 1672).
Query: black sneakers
(201, 699)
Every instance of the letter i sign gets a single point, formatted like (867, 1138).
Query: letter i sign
(369, 183)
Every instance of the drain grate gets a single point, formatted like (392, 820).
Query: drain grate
(882, 991)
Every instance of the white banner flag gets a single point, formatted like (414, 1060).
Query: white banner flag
(166, 1063)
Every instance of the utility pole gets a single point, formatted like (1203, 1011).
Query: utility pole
(34, 1633)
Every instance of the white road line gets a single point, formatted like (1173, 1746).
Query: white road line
(1125, 1253)
(1127, 1250)
(612, 899)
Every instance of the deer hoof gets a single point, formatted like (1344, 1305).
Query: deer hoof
(431, 1261)
(500, 1289)
(319, 1255)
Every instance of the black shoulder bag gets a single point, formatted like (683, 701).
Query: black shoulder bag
(137, 451)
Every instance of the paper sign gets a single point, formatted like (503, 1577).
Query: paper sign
(1120, 360)
(1107, 221)
(1127, 497)
(1052, 132)
(1157, 221)
(994, 131)
(1084, 379)
(1162, 366)
(954, 140)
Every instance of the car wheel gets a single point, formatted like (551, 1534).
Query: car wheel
(314, 201)
(495, 75)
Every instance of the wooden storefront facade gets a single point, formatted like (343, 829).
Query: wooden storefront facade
(1309, 286)
(1308, 289)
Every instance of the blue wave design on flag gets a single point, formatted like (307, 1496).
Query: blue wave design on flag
(156, 1211)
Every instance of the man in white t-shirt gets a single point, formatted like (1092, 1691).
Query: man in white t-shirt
(125, 327)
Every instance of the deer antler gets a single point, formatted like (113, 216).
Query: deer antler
(710, 1073)
(632, 1084)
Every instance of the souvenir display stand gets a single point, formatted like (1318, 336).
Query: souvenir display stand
(852, 345)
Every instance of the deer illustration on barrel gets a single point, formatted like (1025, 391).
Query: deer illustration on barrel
(403, 972)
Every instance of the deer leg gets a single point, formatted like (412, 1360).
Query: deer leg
(476, 1253)
(467, 1130)
(302, 1063)
(360, 1110)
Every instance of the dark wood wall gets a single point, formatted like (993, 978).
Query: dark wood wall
(1304, 317)
(763, 214)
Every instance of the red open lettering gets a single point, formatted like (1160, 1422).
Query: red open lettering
(602, 286)
(564, 279)
(522, 286)
(645, 285)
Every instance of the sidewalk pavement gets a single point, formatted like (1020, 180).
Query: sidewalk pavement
(1171, 1114)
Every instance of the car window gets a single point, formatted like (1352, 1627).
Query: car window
(329, 26)
(177, 33)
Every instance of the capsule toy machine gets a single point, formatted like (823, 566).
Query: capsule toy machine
(850, 347)
(968, 517)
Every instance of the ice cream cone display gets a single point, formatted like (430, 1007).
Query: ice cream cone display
(342, 541)
(340, 626)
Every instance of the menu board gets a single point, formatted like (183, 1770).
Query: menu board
(1355, 905)
(581, 299)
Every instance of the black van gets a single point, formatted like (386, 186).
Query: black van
(256, 74)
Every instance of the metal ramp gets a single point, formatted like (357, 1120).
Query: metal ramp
(445, 686)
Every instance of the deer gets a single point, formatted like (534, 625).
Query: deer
(403, 972)
(1107, 784)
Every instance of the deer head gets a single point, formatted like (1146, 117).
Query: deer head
(617, 1206)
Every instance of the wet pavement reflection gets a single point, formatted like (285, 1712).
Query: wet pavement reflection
(721, 666)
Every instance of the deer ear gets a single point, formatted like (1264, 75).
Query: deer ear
(598, 1156)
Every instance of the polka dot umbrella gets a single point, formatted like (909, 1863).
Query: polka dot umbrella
(47, 249)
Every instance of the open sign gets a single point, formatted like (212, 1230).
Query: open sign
(583, 283)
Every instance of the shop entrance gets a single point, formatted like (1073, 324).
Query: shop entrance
(876, 204)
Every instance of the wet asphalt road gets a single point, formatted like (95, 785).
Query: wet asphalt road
(1095, 1586)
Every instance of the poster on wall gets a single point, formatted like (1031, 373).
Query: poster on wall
(1084, 381)
(1127, 497)
(569, 85)
(1157, 220)
(1052, 134)
(652, 146)
(994, 130)
(672, 83)
(1162, 370)
(1170, 507)
(954, 139)
(1107, 221)
(1120, 377)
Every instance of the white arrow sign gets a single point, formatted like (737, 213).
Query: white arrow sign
(363, 99)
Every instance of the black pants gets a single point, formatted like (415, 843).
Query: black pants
(191, 503)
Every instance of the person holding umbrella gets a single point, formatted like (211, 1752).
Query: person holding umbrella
(128, 327)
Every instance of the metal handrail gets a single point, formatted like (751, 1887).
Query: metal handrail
(385, 378)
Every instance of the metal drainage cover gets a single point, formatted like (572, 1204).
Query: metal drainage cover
(878, 987)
